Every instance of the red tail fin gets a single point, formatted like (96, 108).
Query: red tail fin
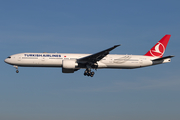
(159, 49)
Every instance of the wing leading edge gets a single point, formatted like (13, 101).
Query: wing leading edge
(94, 58)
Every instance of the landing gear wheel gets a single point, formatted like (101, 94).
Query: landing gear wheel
(88, 72)
(92, 74)
(17, 71)
(85, 72)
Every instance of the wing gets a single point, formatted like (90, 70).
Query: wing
(97, 56)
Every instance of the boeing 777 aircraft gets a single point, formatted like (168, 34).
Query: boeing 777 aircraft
(73, 62)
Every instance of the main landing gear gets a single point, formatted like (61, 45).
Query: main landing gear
(89, 73)
(17, 71)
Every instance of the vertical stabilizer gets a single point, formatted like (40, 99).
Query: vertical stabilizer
(159, 49)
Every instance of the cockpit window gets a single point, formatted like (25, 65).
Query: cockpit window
(9, 57)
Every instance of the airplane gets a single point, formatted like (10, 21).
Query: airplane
(71, 62)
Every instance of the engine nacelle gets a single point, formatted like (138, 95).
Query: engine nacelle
(68, 66)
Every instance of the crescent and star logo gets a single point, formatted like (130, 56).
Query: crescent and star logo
(158, 50)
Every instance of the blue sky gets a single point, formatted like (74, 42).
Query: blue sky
(89, 27)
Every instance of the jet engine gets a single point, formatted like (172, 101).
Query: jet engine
(68, 66)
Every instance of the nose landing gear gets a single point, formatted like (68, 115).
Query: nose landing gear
(17, 71)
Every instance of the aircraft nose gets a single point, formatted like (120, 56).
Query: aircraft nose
(6, 60)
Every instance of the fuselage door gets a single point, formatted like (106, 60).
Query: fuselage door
(43, 59)
(141, 61)
(19, 58)
(110, 59)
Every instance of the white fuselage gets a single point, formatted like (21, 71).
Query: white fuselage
(56, 60)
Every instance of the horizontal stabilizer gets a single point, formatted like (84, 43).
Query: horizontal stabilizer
(163, 58)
